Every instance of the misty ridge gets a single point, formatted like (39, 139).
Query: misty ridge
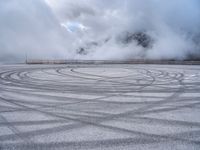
(99, 29)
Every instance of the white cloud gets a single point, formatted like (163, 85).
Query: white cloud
(52, 28)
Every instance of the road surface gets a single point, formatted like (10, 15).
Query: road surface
(100, 107)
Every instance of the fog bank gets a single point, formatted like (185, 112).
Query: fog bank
(99, 29)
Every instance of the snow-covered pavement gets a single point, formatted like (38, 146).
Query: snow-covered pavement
(100, 107)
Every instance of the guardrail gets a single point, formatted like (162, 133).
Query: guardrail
(177, 62)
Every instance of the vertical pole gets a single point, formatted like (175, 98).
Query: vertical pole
(26, 59)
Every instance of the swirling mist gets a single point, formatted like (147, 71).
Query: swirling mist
(99, 29)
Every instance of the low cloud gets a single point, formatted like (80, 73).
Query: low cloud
(99, 29)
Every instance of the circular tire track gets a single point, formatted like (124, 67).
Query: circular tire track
(99, 107)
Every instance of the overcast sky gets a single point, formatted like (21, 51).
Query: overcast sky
(60, 28)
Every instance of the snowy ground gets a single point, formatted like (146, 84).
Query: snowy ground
(99, 107)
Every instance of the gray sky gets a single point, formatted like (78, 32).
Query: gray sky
(58, 29)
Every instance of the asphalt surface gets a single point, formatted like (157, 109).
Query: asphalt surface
(100, 107)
